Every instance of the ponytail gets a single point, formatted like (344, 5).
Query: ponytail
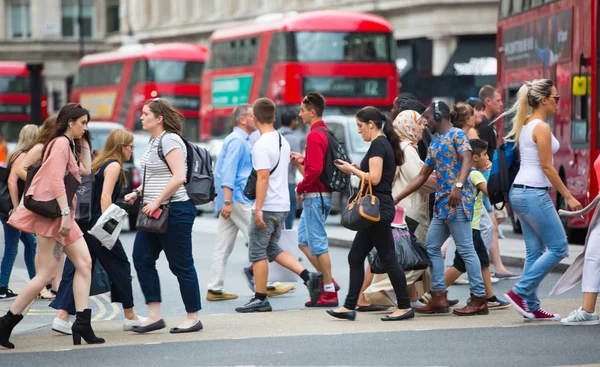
(530, 94)
(371, 113)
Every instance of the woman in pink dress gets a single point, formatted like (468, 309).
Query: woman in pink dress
(56, 235)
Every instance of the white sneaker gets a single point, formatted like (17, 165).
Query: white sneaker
(494, 280)
(61, 326)
(581, 317)
(129, 324)
(461, 281)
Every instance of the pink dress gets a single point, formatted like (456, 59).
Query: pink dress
(48, 184)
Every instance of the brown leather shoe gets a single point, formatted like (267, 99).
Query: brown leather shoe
(438, 304)
(475, 306)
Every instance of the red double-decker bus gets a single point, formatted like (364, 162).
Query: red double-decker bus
(114, 85)
(15, 99)
(557, 39)
(347, 56)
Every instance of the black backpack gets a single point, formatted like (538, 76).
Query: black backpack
(199, 182)
(5, 201)
(332, 177)
(505, 166)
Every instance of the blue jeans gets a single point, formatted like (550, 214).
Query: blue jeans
(11, 248)
(542, 229)
(311, 229)
(177, 245)
(460, 229)
(289, 220)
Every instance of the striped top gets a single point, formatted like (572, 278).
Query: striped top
(157, 171)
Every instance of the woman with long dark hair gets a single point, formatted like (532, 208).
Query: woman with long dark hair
(56, 235)
(380, 163)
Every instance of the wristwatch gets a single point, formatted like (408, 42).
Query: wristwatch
(137, 192)
(65, 211)
(227, 202)
(459, 185)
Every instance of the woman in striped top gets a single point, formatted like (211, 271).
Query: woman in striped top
(163, 184)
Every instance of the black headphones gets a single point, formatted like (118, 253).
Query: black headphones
(437, 114)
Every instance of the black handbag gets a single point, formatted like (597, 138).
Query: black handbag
(410, 253)
(101, 282)
(48, 209)
(151, 224)
(363, 210)
(250, 188)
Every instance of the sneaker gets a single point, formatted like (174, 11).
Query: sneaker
(62, 326)
(279, 289)
(129, 324)
(494, 280)
(249, 277)
(314, 285)
(327, 299)
(461, 281)
(6, 294)
(581, 317)
(541, 315)
(501, 276)
(255, 305)
(519, 304)
(495, 303)
(220, 296)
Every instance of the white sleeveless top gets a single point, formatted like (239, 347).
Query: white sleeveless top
(530, 172)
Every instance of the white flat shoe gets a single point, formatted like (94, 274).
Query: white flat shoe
(129, 324)
(61, 326)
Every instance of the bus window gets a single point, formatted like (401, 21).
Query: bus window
(173, 71)
(342, 46)
(239, 52)
(98, 75)
(14, 84)
(580, 123)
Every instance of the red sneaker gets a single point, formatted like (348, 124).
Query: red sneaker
(519, 304)
(328, 299)
(541, 315)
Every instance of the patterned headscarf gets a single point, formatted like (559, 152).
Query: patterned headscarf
(406, 126)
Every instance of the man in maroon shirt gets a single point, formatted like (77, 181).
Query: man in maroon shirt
(315, 196)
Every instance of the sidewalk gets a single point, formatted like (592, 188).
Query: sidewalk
(512, 248)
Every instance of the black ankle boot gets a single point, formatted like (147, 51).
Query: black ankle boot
(7, 324)
(82, 327)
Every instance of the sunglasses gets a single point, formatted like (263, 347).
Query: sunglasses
(556, 98)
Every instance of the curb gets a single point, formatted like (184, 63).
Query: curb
(507, 260)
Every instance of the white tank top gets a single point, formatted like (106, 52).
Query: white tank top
(530, 172)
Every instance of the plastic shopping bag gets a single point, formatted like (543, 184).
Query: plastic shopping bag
(289, 243)
(109, 226)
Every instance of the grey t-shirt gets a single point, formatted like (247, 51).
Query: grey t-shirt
(294, 142)
(157, 171)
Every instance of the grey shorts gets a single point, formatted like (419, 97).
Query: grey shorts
(264, 243)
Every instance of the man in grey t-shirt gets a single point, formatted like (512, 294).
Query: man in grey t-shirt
(289, 122)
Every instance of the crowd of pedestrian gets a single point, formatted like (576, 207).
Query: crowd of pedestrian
(427, 167)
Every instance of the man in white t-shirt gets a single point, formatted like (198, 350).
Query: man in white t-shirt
(270, 159)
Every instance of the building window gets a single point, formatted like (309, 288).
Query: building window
(112, 16)
(70, 21)
(18, 19)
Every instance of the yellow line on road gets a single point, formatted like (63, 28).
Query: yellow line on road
(101, 307)
(113, 306)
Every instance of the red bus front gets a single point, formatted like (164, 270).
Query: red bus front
(15, 100)
(352, 68)
(115, 87)
(554, 41)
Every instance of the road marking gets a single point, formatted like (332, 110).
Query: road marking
(101, 307)
(114, 307)
(62, 350)
(154, 343)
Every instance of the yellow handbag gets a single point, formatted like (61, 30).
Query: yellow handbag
(364, 209)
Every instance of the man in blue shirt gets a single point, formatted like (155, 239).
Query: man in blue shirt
(231, 173)
(450, 156)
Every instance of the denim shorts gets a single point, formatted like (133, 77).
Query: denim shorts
(311, 229)
(264, 243)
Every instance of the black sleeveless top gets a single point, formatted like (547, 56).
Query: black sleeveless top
(99, 183)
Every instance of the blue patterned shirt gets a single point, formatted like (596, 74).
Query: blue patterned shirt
(443, 156)
(233, 167)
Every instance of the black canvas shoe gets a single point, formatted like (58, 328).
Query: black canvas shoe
(7, 294)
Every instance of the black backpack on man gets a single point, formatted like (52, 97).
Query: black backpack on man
(332, 177)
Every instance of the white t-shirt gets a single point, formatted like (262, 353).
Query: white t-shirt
(157, 171)
(265, 154)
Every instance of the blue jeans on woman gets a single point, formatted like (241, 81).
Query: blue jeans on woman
(542, 229)
(460, 229)
(11, 248)
(177, 245)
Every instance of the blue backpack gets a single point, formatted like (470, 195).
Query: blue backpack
(505, 166)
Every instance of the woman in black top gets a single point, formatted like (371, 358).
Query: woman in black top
(109, 180)
(380, 163)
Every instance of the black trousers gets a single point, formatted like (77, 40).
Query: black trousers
(378, 235)
(115, 263)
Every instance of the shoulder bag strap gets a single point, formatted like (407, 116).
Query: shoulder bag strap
(279, 158)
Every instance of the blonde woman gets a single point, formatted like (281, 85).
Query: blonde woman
(545, 238)
(109, 181)
(27, 138)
